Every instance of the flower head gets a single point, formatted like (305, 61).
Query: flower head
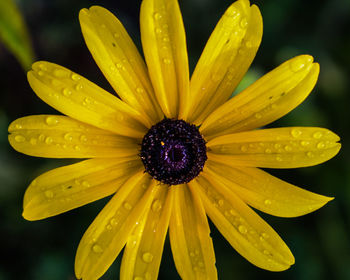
(171, 149)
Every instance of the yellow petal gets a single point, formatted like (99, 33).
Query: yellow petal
(287, 147)
(81, 99)
(143, 251)
(72, 186)
(226, 58)
(107, 235)
(62, 137)
(164, 45)
(190, 239)
(269, 98)
(250, 235)
(264, 191)
(119, 60)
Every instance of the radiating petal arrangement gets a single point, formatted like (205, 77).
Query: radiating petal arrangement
(172, 149)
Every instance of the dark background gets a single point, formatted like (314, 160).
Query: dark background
(320, 241)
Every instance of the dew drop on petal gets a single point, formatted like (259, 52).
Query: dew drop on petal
(33, 141)
(51, 121)
(48, 140)
(20, 138)
(157, 16)
(127, 206)
(147, 257)
(317, 135)
(166, 61)
(75, 77)
(49, 194)
(295, 132)
(243, 23)
(66, 92)
(97, 249)
(242, 229)
(156, 205)
(267, 202)
(321, 145)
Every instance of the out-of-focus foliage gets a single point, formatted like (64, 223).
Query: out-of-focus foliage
(14, 34)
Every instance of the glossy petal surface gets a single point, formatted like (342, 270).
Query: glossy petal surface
(119, 60)
(65, 188)
(63, 137)
(287, 147)
(264, 191)
(107, 235)
(227, 56)
(253, 238)
(190, 239)
(143, 251)
(164, 45)
(82, 100)
(269, 98)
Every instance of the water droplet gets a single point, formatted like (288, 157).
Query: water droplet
(113, 222)
(244, 148)
(49, 194)
(158, 30)
(109, 227)
(258, 115)
(166, 39)
(310, 154)
(266, 252)
(66, 92)
(268, 151)
(85, 184)
(200, 264)
(157, 16)
(43, 67)
(97, 249)
(166, 60)
(88, 100)
(295, 132)
(127, 206)
(288, 148)
(147, 257)
(41, 73)
(77, 148)
(231, 12)
(112, 68)
(33, 141)
(242, 229)
(248, 44)
(20, 138)
(267, 202)
(83, 138)
(243, 23)
(304, 143)
(75, 77)
(321, 145)
(51, 121)
(68, 137)
(317, 135)
(41, 137)
(61, 73)
(220, 202)
(138, 278)
(79, 87)
(156, 205)
(139, 90)
(116, 35)
(278, 158)
(48, 140)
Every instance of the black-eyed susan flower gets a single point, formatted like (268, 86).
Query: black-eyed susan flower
(172, 149)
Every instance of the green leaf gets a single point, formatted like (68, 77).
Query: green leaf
(14, 34)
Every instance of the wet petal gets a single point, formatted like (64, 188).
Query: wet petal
(63, 137)
(164, 45)
(82, 100)
(190, 239)
(119, 60)
(107, 235)
(143, 251)
(269, 98)
(287, 147)
(65, 188)
(226, 58)
(250, 235)
(264, 191)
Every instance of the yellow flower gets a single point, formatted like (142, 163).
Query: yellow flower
(172, 149)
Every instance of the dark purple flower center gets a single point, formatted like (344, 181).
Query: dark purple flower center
(173, 152)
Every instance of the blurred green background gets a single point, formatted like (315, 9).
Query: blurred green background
(320, 241)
